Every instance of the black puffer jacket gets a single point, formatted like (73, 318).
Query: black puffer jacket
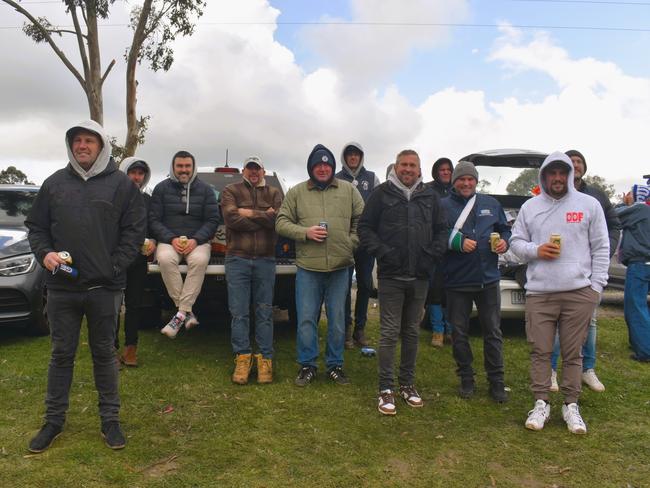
(613, 222)
(170, 215)
(99, 221)
(408, 237)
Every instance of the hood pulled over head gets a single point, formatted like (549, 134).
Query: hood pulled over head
(104, 155)
(436, 166)
(556, 157)
(128, 164)
(320, 154)
(349, 147)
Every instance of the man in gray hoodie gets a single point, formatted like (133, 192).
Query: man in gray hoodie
(564, 282)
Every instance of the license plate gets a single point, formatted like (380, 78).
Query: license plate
(518, 297)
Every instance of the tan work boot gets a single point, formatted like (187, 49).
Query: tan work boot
(264, 369)
(129, 356)
(437, 339)
(243, 365)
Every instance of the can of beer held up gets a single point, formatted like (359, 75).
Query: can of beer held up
(145, 247)
(65, 255)
(182, 241)
(495, 237)
(557, 240)
(323, 224)
(67, 271)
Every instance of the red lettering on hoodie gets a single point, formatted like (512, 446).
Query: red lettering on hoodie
(574, 217)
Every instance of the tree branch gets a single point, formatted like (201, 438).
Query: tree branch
(80, 38)
(108, 70)
(49, 40)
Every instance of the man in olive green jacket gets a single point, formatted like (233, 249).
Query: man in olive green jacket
(321, 215)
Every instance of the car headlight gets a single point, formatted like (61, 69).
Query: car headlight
(17, 265)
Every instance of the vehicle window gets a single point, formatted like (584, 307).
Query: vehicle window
(507, 181)
(15, 205)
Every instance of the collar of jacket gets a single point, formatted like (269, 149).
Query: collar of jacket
(417, 191)
(261, 184)
(312, 186)
(457, 196)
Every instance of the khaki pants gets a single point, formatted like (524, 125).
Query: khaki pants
(569, 313)
(183, 293)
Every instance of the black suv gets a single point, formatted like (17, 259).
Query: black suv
(22, 289)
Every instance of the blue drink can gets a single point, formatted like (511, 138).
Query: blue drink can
(368, 352)
(67, 271)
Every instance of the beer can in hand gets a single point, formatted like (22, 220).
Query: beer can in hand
(66, 271)
(182, 241)
(495, 237)
(323, 224)
(557, 240)
(65, 256)
(145, 247)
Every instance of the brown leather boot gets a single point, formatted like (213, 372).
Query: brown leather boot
(437, 339)
(243, 365)
(359, 338)
(130, 357)
(264, 369)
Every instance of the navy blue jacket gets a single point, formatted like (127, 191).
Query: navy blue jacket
(364, 182)
(478, 268)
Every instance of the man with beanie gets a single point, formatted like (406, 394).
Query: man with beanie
(471, 275)
(404, 227)
(139, 173)
(365, 181)
(321, 215)
(249, 208)
(94, 212)
(635, 254)
(183, 217)
(564, 282)
(614, 230)
(441, 328)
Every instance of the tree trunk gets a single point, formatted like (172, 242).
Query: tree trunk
(94, 79)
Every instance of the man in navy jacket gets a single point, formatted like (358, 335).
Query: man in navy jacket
(471, 275)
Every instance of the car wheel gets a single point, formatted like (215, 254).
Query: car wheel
(40, 326)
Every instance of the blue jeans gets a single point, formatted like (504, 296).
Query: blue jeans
(438, 319)
(363, 264)
(245, 276)
(588, 348)
(312, 289)
(637, 315)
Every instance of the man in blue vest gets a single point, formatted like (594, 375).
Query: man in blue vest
(365, 181)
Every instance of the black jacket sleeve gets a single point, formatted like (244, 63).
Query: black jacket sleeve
(159, 231)
(211, 217)
(368, 226)
(133, 226)
(38, 222)
(440, 231)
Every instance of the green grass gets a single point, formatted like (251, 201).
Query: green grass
(220, 434)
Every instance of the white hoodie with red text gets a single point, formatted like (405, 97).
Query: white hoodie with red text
(580, 221)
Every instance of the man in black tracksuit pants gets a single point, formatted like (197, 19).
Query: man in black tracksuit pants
(93, 211)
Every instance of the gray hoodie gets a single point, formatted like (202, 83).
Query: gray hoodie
(392, 177)
(580, 221)
(103, 157)
(172, 177)
(126, 164)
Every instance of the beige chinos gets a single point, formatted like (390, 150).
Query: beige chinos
(183, 293)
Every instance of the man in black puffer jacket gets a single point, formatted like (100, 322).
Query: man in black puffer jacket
(96, 214)
(404, 227)
(183, 218)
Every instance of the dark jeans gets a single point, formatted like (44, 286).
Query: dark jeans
(66, 310)
(136, 275)
(363, 265)
(248, 277)
(459, 308)
(401, 305)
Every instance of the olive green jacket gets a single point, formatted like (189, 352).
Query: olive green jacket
(306, 205)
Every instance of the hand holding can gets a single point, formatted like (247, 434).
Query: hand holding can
(182, 241)
(557, 240)
(495, 237)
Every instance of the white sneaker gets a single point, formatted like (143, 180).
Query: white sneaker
(574, 422)
(590, 379)
(538, 416)
(554, 385)
(387, 402)
(173, 326)
(190, 320)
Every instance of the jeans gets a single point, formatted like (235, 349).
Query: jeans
(588, 348)
(363, 265)
(488, 304)
(401, 304)
(438, 319)
(66, 310)
(136, 274)
(246, 277)
(637, 315)
(312, 289)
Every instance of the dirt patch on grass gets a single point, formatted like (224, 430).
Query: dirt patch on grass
(399, 468)
(161, 468)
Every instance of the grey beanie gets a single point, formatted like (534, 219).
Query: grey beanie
(464, 168)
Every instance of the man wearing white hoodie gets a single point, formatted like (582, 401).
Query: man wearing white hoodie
(564, 282)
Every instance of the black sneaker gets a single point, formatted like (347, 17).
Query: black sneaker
(337, 375)
(305, 376)
(45, 437)
(498, 392)
(466, 389)
(113, 435)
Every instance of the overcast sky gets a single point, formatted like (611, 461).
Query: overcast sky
(274, 78)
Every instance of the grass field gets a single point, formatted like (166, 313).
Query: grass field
(189, 426)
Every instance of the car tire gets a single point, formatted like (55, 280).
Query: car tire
(40, 326)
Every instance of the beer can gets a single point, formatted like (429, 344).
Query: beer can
(67, 271)
(557, 240)
(145, 247)
(323, 224)
(65, 255)
(182, 240)
(495, 237)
